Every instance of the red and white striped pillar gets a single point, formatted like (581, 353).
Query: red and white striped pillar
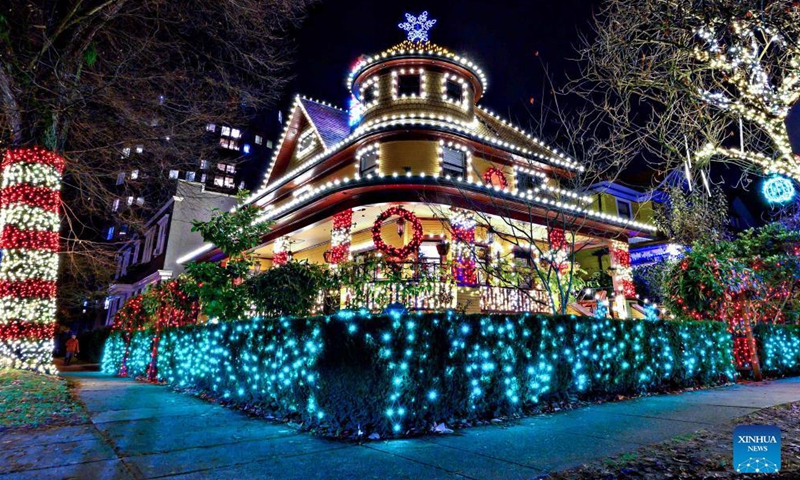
(30, 198)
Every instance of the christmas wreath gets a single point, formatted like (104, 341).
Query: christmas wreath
(395, 252)
(495, 173)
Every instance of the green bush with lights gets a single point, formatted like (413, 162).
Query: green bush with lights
(778, 348)
(356, 374)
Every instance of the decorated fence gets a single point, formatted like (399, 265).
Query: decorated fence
(399, 375)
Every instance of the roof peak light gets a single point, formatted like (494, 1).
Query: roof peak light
(416, 28)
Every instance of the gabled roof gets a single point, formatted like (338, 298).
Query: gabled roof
(331, 123)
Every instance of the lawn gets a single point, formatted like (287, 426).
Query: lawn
(32, 400)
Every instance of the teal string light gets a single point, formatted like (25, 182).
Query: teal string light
(402, 374)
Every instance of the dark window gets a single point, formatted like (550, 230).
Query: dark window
(525, 181)
(454, 162)
(455, 91)
(624, 209)
(307, 141)
(369, 95)
(369, 162)
(408, 85)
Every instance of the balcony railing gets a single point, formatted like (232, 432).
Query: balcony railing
(430, 287)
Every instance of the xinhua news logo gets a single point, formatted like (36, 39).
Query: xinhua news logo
(757, 449)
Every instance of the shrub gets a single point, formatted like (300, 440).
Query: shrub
(398, 375)
(291, 289)
(778, 348)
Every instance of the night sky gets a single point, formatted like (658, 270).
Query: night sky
(502, 37)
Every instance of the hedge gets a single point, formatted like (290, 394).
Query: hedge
(778, 348)
(397, 375)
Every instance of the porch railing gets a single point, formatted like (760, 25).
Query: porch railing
(513, 300)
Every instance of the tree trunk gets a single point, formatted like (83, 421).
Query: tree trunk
(751, 341)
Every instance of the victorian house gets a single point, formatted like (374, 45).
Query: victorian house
(416, 171)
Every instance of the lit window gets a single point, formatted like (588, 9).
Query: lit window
(246, 148)
(204, 164)
(369, 162)
(203, 178)
(241, 185)
(454, 162)
(110, 233)
(219, 181)
(226, 131)
(173, 174)
(229, 144)
(409, 85)
(130, 200)
(140, 201)
(235, 133)
(231, 169)
(124, 230)
(229, 183)
(115, 205)
(190, 176)
(624, 209)
(211, 127)
(454, 91)
(139, 148)
(270, 144)
(126, 152)
(134, 174)
(120, 178)
(221, 167)
(259, 140)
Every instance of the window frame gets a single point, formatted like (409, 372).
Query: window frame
(629, 205)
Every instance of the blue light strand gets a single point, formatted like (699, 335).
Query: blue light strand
(401, 374)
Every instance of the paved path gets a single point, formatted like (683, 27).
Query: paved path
(145, 431)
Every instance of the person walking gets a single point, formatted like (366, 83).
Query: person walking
(73, 348)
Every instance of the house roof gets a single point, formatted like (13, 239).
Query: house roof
(331, 123)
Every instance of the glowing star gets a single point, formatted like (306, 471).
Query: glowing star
(417, 27)
(778, 190)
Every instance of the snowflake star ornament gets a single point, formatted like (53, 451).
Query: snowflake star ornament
(417, 27)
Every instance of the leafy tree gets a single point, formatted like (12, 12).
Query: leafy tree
(689, 217)
(219, 285)
(121, 85)
(691, 71)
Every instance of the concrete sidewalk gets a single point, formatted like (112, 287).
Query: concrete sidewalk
(139, 430)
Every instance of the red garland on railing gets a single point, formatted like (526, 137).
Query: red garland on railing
(394, 253)
(494, 173)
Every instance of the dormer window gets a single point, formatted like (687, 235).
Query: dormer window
(306, 143)
(624, 209)
(454, 91)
